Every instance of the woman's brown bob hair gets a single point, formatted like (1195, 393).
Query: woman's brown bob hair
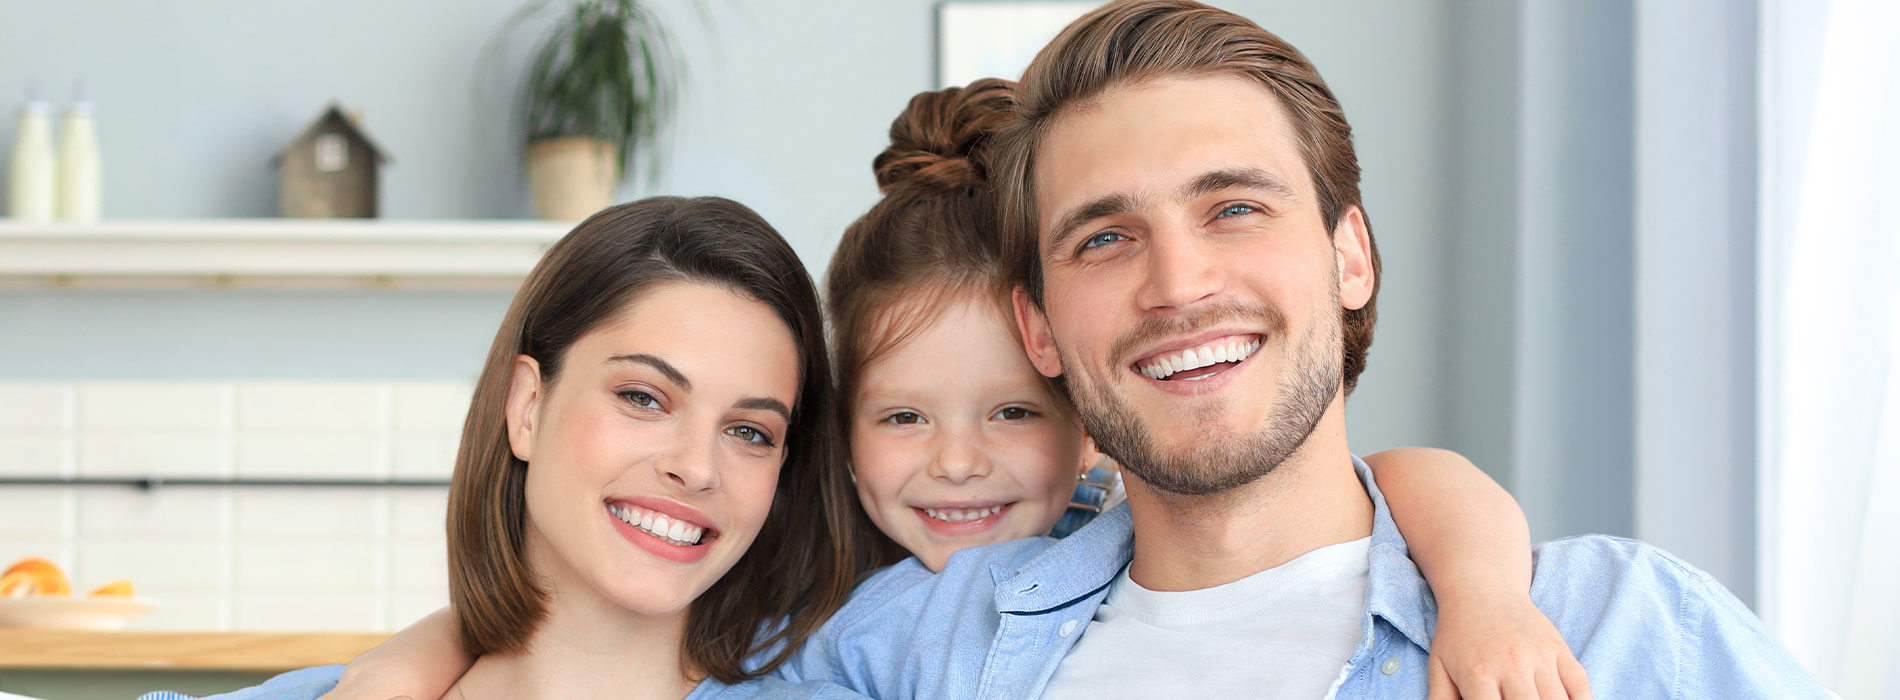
(932, 237)
(796, 573)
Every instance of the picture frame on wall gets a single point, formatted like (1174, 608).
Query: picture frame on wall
(997, 38)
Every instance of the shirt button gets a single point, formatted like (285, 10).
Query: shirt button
(1390, 666)
(1066, 629)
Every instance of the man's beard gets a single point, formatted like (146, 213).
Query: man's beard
(1218, 463)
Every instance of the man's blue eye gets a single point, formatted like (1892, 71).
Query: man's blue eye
(1102, 239)
(1235, 210)
(640, 398)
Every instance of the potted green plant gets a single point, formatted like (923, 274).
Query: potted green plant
(601, 85)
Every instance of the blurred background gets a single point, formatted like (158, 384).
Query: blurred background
(1640, 266)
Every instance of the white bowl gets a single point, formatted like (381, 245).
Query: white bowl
(50, 613)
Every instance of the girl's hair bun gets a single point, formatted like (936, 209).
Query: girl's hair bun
(941, 140)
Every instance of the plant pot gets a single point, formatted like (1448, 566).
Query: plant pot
(570, 178)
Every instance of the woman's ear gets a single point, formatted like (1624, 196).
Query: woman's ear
(524, 401)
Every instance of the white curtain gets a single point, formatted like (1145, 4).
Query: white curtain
(1830, 263)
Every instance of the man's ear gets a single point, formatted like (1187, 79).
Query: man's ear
(1033, 326)
(1352, 249)
(524, 403)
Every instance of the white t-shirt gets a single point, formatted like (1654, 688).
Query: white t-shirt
(1286, 632)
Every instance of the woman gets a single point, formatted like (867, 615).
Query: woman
(645, 502)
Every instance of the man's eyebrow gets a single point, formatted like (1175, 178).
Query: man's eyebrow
(672, 373)
(1236, 178)
(765, 403)
(1070, 224)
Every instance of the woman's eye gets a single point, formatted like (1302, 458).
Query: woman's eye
(1102, 239)
(1235, 210)
(904, 418)
(751, 435)
(1013, 413)
(640, 399)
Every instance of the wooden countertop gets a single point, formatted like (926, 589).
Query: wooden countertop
(194, 651)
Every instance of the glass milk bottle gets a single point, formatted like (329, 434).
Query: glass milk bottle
(31, 187)
(78, 165)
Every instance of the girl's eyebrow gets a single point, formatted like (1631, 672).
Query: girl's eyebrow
(665, 368)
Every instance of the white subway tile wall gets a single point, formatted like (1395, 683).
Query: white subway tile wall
(238, 558)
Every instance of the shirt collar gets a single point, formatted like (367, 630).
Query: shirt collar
(1088, 560)
(1073, 567)
(1395, 591)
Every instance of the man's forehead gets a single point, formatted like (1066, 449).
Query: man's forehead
(1147, 139)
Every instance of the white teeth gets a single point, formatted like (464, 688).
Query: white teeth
(1196, 358)
(675, 532)
(960, 515)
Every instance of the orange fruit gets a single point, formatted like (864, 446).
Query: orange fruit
(34, 576)
(120, 588)
(17, 585)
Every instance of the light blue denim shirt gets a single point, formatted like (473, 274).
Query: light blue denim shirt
(999, 618)
(311, 683)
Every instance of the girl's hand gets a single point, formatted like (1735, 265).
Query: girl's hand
(1501, 650)
(360, 682)
(422, 661)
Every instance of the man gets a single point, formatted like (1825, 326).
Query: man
(1182, 222)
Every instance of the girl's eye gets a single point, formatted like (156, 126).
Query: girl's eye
(640, 399)
(904, 418)
(1102, 239)
(1235, 210)
(751, 435)
(1013, 413)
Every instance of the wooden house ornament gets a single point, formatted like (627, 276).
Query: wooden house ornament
(329, 171)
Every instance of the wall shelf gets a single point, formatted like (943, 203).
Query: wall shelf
(273, 253)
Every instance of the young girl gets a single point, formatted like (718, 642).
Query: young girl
(646, 471)
(956, 441)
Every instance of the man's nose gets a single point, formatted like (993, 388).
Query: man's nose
(1181, 270)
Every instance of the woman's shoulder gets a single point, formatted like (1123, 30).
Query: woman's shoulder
(301, 684)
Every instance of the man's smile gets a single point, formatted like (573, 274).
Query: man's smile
(1199, 360)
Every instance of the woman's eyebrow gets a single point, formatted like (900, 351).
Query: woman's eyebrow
(765, 403)
(665, 368)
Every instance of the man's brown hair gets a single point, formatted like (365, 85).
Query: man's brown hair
(808, 554)
(1134, 41)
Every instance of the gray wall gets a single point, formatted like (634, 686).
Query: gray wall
(1497, 139)
(787, 104)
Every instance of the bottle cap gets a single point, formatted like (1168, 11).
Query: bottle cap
(80, 107)
(37, 107)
